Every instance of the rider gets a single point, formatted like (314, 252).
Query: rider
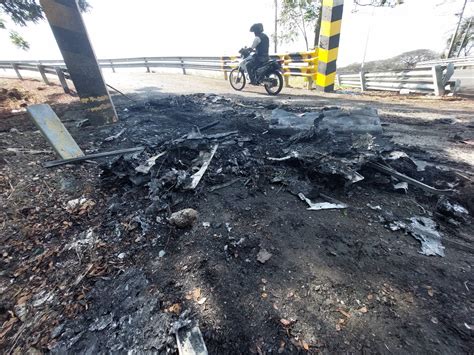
(261, 45)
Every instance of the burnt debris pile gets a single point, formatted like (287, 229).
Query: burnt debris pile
(207, 142)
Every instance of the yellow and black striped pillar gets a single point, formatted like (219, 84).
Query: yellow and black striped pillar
(329, 44)
(70, 32)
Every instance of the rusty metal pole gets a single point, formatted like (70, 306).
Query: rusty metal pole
(70, 32)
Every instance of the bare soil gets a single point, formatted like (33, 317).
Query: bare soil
(95, 278)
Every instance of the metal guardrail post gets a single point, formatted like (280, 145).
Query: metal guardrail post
(338, 80)
(17, 71)
(182, 65)
(43, 74)
(62, 80)
(112, 66)
(362, 81)
(437, 72)
(146, 65)
(224, 64)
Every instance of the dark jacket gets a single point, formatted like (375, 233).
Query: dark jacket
(262, 49)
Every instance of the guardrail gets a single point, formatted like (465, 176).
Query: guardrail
(434, 80)
(301, 64)
(463, 62)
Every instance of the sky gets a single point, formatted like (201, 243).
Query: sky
(125, 28)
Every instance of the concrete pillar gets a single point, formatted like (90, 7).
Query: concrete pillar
(70, 32)
(329, 44)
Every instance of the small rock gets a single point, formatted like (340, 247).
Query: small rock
(161, 253)
(206, 224)
(263, 256)
(184, 218)
(121, 256)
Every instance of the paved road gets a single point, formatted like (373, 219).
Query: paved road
(147, 85)
(407, 116)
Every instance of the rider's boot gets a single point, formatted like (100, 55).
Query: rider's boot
(252, 76)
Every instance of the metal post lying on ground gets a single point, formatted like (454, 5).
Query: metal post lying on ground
(17, 71)
(50, 164)
(70, 32)
(43, 74)
(329, 44)
(54, 131)
(62, 80)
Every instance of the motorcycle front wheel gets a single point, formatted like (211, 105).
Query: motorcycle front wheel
(273, 83)
(237, 79)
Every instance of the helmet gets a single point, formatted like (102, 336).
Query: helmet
(256, 28)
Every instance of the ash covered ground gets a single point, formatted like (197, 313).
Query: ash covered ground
(95, 258)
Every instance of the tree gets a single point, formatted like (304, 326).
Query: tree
(464, 41)
(298, 17)
(24, 12)
(411, 58)
(402, 61)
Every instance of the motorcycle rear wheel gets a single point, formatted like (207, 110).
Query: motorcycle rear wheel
(273, 83)
(237, 79)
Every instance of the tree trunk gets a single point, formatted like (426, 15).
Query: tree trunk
(317, 27)
(466, 32)
(453, 40)
(276, 26)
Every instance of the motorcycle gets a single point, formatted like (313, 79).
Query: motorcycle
(269, 74)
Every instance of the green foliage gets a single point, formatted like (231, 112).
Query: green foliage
(402, 61)
(19, 41)
(298, 17)
(22, 12)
